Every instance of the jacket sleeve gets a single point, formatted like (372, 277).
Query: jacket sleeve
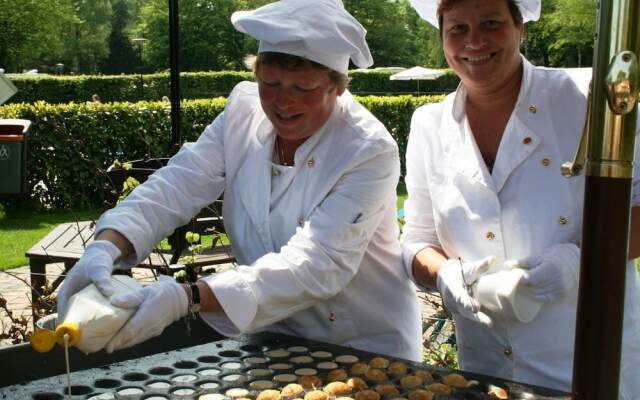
(193, 179)
(322, 257)
(419, 230)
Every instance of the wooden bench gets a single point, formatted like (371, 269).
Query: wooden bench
(66, 244)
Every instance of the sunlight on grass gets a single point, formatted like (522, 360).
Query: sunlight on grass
(20, 230)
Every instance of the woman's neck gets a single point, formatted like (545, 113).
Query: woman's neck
(488, 113)
(286, 149)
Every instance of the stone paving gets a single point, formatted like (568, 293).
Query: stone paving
(15, 288)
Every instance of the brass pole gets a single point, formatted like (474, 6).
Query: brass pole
(605, 236)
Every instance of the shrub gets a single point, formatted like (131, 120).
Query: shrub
(110, 88)
(71, 145)
(193, 85)
(378, 83)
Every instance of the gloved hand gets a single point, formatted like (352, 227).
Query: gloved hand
(95, 266)
(553, 273)
(159, 304)
(454, 282)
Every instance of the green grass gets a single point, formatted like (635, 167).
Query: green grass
(402, 195)
(21, 229)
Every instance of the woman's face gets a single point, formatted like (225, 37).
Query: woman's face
(481, 42)
(297, 102)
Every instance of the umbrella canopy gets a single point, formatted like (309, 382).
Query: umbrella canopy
(416, 73)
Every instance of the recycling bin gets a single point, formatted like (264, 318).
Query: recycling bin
(13, 156)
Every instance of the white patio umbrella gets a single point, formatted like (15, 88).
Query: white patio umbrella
(418, 74)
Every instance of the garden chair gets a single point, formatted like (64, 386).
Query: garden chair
(208, 222)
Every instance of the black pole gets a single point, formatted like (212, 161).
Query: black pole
(174, 55)
(174, 52)
(140, 79)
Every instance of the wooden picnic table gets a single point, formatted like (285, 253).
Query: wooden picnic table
(66, 244)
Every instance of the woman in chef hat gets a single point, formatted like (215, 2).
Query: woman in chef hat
(309, 179)
(486, 193)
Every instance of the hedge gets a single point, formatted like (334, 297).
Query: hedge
(378, 83)
(71, 145)
(193, 85)
(111, 88)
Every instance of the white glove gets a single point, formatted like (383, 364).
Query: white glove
(454, 282)
(158, 304)
(95, 266)
(553, 273)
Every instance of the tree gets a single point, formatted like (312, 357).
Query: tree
(575, 24)
(86, 40)
(539, 35)
(32, 32)
(564, 35)
(426, 41)
(208, 41)
(387, 30)
(121, 57)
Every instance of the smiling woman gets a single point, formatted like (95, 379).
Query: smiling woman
(309, 178)
(485, 196)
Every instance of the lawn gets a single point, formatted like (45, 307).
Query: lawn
(20, 230)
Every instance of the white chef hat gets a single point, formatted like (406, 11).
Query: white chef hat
(320, 30)
(427, 9)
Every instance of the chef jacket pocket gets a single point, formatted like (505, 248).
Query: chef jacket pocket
(353, 234)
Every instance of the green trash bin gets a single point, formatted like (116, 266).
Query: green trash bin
(13, 156)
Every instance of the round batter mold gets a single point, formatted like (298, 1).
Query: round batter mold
(321, 354)
(306, 371)
(297, 349)
(347, 359)
(277, 353)
(327, 365)
(301, 360)
(209, 371)
(184, 378)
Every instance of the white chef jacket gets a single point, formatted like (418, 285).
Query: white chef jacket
(519, 209)
(331, 269)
